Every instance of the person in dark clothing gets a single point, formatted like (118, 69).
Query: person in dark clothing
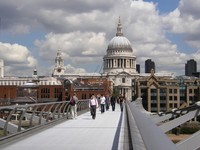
(113, 101)
(107, 102)
(121, 102)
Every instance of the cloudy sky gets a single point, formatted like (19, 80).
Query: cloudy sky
(32, 31)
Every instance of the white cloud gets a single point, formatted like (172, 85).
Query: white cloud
(71, 69)
(76, 47)
(17, 57)
(82, 30)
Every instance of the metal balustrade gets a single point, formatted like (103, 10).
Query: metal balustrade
(147, 131)
(140, 130)
(19, 118)
(144, 134)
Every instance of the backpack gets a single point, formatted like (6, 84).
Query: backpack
(72, 101)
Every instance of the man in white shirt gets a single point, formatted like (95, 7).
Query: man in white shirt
(103, 102)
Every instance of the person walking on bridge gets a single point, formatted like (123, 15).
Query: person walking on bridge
(113, 101)
(121, 102)
(93, 104)
(73, 102)
(103, 102)
(107, 101)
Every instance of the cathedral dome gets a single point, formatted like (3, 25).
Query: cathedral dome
(120, 57)
(119, 42)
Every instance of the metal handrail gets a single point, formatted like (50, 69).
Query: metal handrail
(39, 115)
(145, 135)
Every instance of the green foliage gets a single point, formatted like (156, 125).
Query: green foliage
(116, 92)
(185, 130)
(189, 130)
(1, 132)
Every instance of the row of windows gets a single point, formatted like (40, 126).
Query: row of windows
(47, 90)
(171, 91)
(24, 82)
(89, 89)
(45, 95)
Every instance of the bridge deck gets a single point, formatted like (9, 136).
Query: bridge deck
(81, 134)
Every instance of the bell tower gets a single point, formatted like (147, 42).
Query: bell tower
(59, 68)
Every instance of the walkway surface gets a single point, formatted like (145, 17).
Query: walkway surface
(84, 133)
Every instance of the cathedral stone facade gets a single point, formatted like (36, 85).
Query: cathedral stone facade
(119, 64)
(59, 68)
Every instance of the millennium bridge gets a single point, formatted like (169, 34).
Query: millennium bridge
(48, 126)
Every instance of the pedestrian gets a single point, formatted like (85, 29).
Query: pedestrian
(113, 102)
(93, 104)
(102, 102)
(73, 102)
(98, 99)
(107, 102)
(121, 102)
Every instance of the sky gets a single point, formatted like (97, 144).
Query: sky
(31, 33)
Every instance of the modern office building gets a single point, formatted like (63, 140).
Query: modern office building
(190, 67)
(138, 68)
(149, 65)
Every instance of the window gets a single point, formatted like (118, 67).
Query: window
(83, 96)
(175, 98)
(175, 105)
(123, 80)
(170, 98)
(170, 105)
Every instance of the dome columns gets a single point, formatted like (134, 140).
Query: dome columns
(119, 63)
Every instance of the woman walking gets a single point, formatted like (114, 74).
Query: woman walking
(93, 104)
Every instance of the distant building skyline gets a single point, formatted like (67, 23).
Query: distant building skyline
(149, 65)
(190, 67)
(138, 68)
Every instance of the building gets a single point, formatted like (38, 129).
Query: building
(1, 68)
(138, 68)
(164, 93)
(190, 67)
(59, 68)
(149, 65)
(119, 65)
(33, 89)
(121, 75)
(196, 74)
(86, 87)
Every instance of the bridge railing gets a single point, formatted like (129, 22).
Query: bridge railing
(142, 132)
(19, 118)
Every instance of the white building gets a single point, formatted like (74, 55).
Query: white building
(119, 64)
(59, 68)
(1, 68)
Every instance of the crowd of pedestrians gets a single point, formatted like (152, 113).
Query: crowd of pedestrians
(105, 102)
(101, 101)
